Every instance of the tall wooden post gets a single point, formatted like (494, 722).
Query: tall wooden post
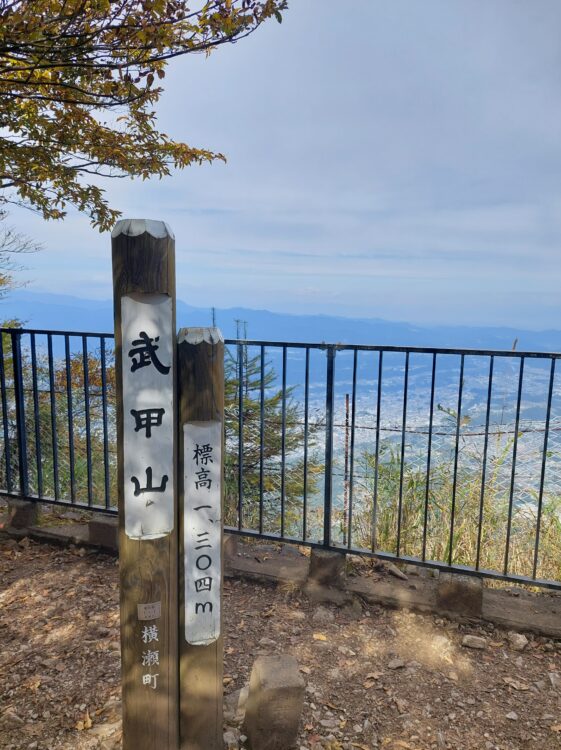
(144, 308)
(200, 476)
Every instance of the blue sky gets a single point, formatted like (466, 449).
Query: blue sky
(395, 159)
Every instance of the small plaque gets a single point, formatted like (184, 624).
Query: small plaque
(149, 611)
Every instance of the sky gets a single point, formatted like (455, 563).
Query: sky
(396, 159)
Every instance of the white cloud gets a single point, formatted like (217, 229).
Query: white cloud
(393, 159)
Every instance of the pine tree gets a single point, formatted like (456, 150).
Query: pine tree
(271, 474)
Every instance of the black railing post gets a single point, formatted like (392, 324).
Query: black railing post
(329, 403)
(70, 417)
(20, 414)
(240, 434)
(5, 420)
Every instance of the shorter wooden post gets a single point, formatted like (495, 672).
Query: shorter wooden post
(200, 359)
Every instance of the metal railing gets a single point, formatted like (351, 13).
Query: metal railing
(58, 430)
(448, 458)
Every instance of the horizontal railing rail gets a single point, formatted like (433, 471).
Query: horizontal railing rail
(448, 458)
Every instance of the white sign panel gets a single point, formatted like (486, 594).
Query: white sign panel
(148, 414)
(202, 530)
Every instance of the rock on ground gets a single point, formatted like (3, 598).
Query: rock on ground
(517, 641)
(474, 641)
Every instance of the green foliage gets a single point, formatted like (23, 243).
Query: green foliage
(494, 513)
(70, 449)
(78, 87)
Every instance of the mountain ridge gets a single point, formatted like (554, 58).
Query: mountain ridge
(66, 312)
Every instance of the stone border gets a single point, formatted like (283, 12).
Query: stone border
(457, 597)
(323, 579)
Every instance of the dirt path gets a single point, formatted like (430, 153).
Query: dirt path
(384, 679)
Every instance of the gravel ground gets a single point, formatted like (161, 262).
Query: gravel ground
(375, 679)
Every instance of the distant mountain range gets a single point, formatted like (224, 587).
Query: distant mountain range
(64, 312)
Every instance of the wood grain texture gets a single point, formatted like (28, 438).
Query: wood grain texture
(200, 368)
(148, 568)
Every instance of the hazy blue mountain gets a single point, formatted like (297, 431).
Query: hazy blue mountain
(64, 312)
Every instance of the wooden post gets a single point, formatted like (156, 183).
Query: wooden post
(200, 475)
(144, 308)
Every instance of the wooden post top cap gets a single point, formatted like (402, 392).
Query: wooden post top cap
(135, 227)
(198, 335)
